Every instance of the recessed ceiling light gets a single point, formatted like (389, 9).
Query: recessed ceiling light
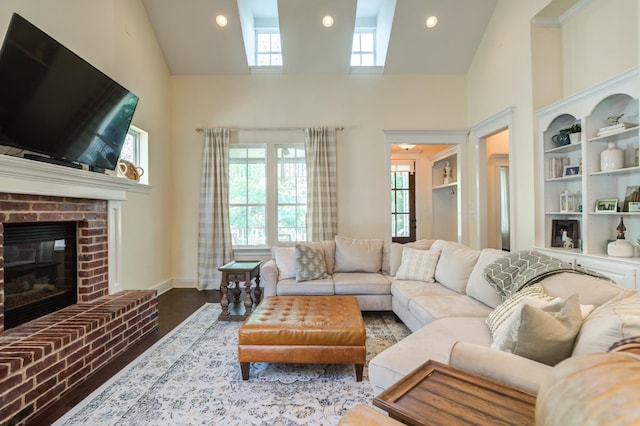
(221, 20)
(431, 21)
(327, 21)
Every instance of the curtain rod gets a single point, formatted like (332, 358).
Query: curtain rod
(269, 129)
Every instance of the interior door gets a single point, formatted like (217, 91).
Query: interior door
(403, 206)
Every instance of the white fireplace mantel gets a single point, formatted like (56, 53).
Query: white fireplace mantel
(22, 176)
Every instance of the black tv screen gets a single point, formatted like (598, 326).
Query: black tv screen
(53, 102)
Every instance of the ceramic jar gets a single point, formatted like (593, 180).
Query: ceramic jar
(611, 158)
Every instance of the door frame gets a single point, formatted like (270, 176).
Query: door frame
(497, 123)
(427, 137)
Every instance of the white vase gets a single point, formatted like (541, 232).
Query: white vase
(620, 248)
(611, 158)
(575, 137)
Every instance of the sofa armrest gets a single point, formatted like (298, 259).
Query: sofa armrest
(501, 366)
(269, 277)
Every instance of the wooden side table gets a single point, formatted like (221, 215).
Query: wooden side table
(438, 394)
(234, 273)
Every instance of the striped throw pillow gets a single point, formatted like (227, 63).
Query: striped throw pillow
(500, 314)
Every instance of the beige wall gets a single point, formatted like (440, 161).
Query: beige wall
(364, 104)
(116, 37)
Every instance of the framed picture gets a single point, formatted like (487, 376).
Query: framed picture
(571, 171)
(632, 196)
(607, 206)
(562, 230)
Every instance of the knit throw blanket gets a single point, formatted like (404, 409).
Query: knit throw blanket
(517, 270)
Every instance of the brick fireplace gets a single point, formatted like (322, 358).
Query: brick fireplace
(43, 358)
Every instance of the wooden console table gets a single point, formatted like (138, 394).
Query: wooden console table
(437, 394)
(234, 273)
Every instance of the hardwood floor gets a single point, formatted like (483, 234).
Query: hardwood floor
(174, 307)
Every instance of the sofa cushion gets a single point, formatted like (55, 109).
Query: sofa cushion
(418, 265)
(395, 253)
(310, 263)
(504, 310)
(477, 286)
(541, 330)
(593, 291)
(291, 287)
(615, 320)
(285, 258)
(455, 265)
(360, 283)
(433, 341)
(428, 308)
(358, 255)
(403, 291)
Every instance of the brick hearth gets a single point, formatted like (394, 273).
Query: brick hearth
(43, 358)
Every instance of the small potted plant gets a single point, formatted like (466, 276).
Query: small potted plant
(575, 132)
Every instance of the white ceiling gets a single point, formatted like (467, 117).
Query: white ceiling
(193, 44)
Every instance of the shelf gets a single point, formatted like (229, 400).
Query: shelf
(623, 171)
(564, 179)
(564, 148)
(615, 213)
(615, 136)
(446, 185)
(566, 213)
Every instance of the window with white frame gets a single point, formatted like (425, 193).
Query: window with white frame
(363, 50)
(267, 194)
(268, 49)
(136, 150)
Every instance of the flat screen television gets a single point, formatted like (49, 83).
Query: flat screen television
(55, 103)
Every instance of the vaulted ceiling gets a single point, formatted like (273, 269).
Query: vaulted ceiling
(193, 44)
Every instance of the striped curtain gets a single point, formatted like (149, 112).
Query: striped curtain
(214, 236)
(322, 210)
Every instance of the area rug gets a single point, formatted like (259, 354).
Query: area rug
(192, 376)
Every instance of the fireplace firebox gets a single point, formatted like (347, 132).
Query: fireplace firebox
(40, 269)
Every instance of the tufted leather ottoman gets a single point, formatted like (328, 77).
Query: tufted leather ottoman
(305, 330)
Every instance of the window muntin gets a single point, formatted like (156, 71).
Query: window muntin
(268, 48)
(363, 52)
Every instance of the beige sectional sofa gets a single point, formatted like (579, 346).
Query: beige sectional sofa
(447, 310)
(448, 317)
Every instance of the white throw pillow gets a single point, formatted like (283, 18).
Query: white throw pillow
(358, 255)
(455, 265)
(285, 258)
(418, 265)
(395, 253)
(504, 310)
(477, 286)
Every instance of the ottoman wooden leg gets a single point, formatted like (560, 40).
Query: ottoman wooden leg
(359, 368)
(244, 369)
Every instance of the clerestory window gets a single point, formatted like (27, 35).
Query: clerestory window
(268, 48)
(363, 50)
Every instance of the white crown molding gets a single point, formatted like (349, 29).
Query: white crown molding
(582, 4)
(23, 176)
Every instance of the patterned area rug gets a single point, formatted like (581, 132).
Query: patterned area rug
(192, 376)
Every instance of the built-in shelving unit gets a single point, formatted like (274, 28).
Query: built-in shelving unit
(445, 195)
(584, 179)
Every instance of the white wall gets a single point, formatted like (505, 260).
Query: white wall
(116, 37)
(364, 104)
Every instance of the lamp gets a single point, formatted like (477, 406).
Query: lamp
(327, 21)
(406, 146)
(222, 21)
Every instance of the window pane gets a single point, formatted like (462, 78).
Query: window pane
(257, 225)
(366, 43)
(256, 184)
(237, 184)
(264, 59)
(264, 42)
(286, 216)
(355, 60)
(402, 229)
(275, 43)
(367, 60)
(238, 219)
(276, 59)
(355, 47)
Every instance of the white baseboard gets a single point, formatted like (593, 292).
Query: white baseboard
(163, 287)
(185, 283)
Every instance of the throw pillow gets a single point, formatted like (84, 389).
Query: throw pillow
(418, 265)
(500, 314)
(358, 255)
(310, 264)
(546, 335)
(285, 258)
